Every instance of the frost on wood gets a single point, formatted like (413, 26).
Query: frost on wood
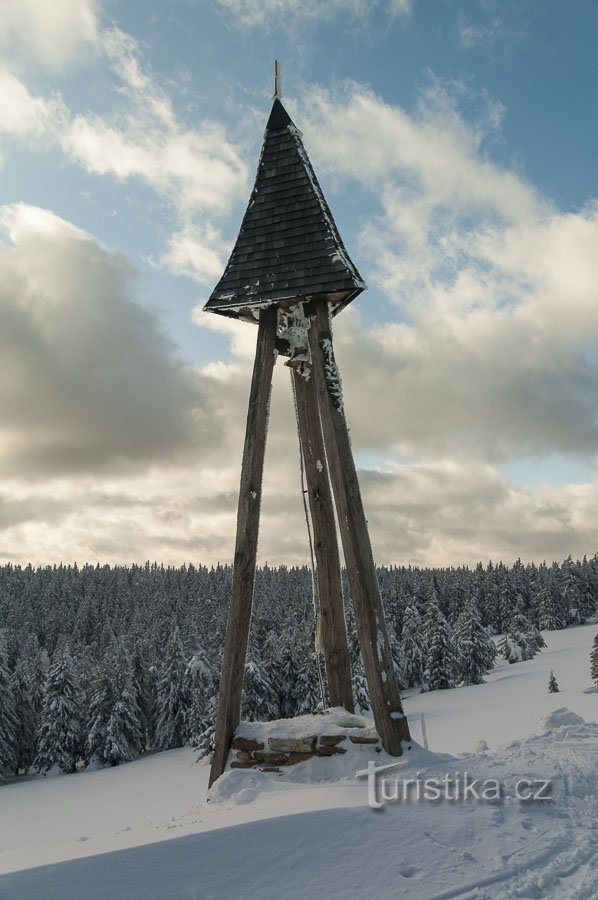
(293, 328)
(331, 374)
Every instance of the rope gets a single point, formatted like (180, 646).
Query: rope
(315, 589)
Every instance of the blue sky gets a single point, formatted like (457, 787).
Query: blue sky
(456, 144)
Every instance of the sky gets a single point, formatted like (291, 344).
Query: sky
(456, 143)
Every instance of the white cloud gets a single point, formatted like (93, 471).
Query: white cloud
(497, 21)
(196, 253)
(21, 114)
(496, 288)
(494, 355)
(54, 34)
(290, 13)
(114, 451)
(88, 381)
(259, 13)
(196, 170)
(400, 8)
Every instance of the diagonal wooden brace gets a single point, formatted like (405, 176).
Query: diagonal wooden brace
(248, 520)
(385, 697)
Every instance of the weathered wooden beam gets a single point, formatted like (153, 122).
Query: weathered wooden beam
(332, 615)
(389, 717)
(248, 518)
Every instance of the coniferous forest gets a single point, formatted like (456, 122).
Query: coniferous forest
(101, 664)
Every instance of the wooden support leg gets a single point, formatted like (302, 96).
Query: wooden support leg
(389, 717)
(237, 630)
(332, 616)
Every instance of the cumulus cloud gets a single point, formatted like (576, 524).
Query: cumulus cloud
(491, 355)
(88, 381)
(495, 288)
(197, 252)
(195, 170)
(23, 115)
(53, 34)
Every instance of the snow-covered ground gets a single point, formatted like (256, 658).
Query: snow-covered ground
(109, 833)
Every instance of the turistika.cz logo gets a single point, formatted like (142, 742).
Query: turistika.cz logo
(456, 787)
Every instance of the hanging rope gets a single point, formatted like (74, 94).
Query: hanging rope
(315, 589)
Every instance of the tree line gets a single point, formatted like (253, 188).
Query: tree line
(100, 664)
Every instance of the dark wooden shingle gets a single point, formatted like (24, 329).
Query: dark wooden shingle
(288, 246)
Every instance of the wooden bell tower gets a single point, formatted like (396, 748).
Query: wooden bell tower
(289, 272)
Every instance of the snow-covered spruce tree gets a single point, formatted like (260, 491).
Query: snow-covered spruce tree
(199, 681)
(259, 696)
(476, 651)
(359, 684)
(8, 717)
(61, 731)
(172, 700)
(115, 729)
(551, 610)
(441, 670)
(28, 686)
(570, 589)
(102, 698)
(587, 599)
(284, 673)
(522, 640)
(594, 660)
(396, 655)
(124, 732)
(205, 740)
(144, 676)
(309, 697)
(413, 649)
(553, 685)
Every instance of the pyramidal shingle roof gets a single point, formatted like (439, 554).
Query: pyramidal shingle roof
(288, 247)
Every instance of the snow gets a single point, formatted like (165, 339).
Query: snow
(293, 327)
(109, 833)
(331, 374)
(560, 718)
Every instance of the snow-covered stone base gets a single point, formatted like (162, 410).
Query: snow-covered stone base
(327, 747)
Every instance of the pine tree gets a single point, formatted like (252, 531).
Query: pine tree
(441, 665)
(8, 717)
(172, 702)
(553, 686)
(552, 615)
(61, 732)
(569, 585)
(414, 649)
(259, 702)
(594, 660)
(115, 727)
(124, 732)
(309, 697)
(100, 706)
(476, 651)
(522, 640)
(27, 687)
(145, 685)
(199, 681)
(284, 675)
(205, 740)
(359, 684)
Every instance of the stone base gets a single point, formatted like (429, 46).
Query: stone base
(251, 754)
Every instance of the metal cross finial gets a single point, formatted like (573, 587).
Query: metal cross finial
(277, 81)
